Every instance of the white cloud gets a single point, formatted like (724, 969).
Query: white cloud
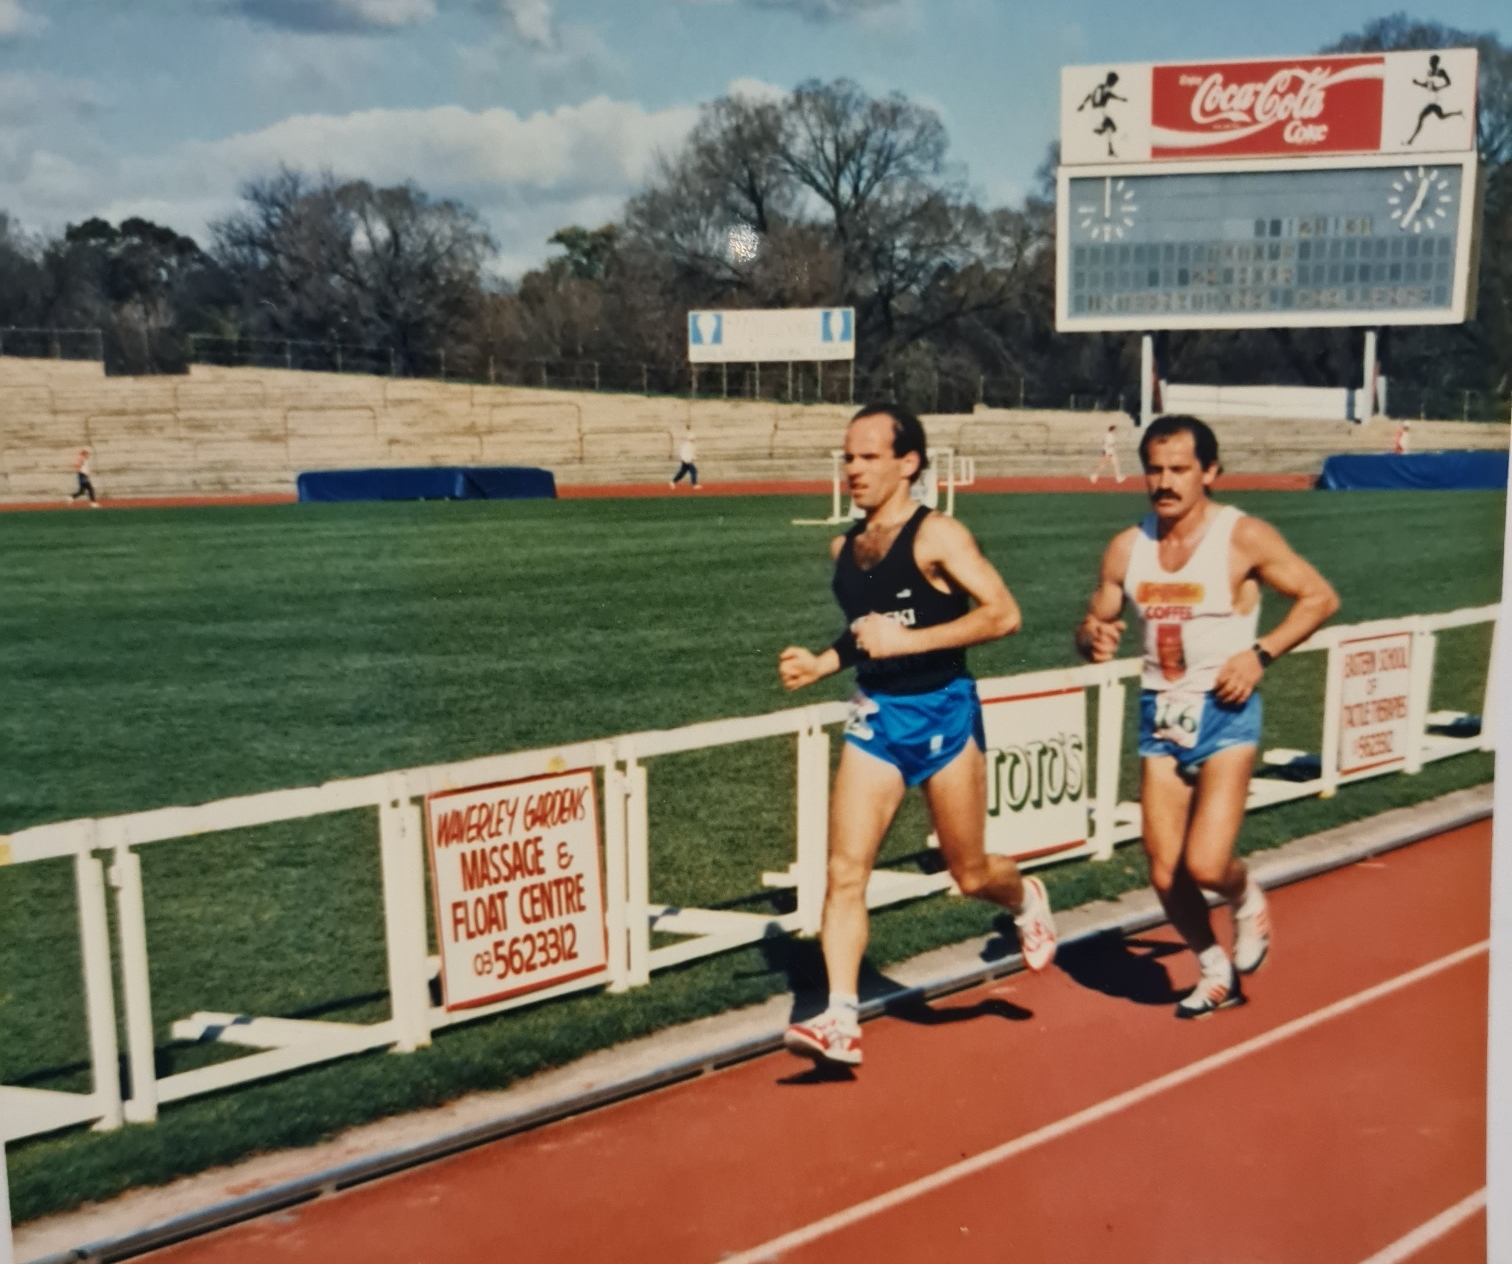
(532, 20)
(337, 15)
(527, 176)
(16, 21)
(828, 10)
(755, 90)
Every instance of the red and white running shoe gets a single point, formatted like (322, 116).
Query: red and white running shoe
(1036, 926)
(1218, 988)
(827, 1038)
(1252, 931)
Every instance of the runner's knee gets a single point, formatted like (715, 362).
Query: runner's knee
(1209, 872)
(846, 876)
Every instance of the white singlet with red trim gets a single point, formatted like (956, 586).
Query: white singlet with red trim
(1190, 625)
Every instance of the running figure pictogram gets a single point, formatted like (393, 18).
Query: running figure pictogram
(916, 591)
(1193, 571)
(1435, 82)
(1098, 99)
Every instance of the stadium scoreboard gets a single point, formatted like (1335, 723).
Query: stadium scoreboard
(1245, 195)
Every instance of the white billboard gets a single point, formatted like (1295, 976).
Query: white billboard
(1037, 787)
(750, 336)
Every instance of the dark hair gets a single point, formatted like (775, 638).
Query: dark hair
(1203, 439)
(908, 432)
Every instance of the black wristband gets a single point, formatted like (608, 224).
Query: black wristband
(845, 646)
(1264, 655)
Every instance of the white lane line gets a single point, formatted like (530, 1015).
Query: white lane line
(1406, 1248)
(1102, 1110)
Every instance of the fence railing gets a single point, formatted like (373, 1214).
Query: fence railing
(632, 913)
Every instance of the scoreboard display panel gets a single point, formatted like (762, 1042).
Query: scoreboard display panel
(1218, 246)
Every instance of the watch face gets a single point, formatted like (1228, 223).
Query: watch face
(1107, 218)
(1420, 200)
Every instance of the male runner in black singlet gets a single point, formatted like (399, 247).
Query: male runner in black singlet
(906, 578)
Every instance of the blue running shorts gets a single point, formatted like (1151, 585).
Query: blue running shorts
(918, 733)
(1193, 727)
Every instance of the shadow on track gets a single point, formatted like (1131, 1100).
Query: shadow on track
(1129, 969)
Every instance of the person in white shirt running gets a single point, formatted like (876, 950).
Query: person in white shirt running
(86, 484)
(1193, 570)
(687, 453)
(1109, 454)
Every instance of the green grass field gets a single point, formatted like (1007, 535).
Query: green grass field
(161, 657)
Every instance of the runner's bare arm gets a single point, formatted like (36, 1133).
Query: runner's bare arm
(798, 667)
(1098, 634)
(1271, 560)
(946, 548)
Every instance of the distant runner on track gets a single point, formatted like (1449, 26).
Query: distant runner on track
(1193, 570)
(916, 591)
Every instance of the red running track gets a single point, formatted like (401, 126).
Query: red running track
(1313, 1124)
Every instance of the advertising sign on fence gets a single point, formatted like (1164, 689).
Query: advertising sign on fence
(515, 871)
(1036, 772)
(1373, 702)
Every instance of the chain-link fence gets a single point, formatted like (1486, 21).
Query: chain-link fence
(52, 344)
(911, 380)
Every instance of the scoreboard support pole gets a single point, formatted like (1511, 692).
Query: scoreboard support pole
(1368, 385)
(1146, 378)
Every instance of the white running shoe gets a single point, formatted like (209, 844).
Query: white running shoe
(1218, 988)
(1036, 926)
(827, 1038)
(1252, 930)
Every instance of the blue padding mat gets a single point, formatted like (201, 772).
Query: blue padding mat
(429, 482)
(1425, 471)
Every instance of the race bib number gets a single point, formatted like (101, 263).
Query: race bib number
(862, 709)
(1178, 717)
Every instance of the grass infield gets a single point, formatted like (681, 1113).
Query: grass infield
(177, 656)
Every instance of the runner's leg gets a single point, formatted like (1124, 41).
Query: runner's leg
(957, 797)
(865, 797)
(1166, 805)
(1221, 793)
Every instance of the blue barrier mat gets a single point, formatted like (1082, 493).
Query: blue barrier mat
(429, 482)
(1423, 471)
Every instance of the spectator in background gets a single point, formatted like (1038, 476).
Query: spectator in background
(86, 486)
(1109, 454)
(1403, 442)
(687, 453)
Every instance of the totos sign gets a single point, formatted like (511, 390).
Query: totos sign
(1036, 773)
(515, 871)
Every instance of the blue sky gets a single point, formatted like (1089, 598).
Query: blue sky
(539, 113)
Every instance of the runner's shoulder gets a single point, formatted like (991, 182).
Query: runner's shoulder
(1120, 549)
(1255, 538)
(939, 535)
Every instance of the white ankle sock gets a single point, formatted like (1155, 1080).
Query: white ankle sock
(1252, 897)
(1213, 960)
(845, 1006)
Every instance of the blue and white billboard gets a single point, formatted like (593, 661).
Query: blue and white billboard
(753, 336)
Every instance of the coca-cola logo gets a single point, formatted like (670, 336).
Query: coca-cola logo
(1290, 94)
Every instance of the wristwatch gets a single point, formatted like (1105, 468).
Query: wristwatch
(1264, 655)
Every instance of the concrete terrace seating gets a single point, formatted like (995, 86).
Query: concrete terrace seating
(222, 431)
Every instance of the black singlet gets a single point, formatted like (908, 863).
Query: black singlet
(896, 587)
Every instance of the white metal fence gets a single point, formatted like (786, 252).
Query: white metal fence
(278, 1045)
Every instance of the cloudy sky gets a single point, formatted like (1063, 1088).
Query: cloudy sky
(539, 113)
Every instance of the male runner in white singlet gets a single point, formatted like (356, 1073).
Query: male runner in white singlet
(916, 591)
(1193, 570)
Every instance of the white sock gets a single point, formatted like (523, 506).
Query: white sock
(1250, 900)
(1213, 960)
(846, 1006)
